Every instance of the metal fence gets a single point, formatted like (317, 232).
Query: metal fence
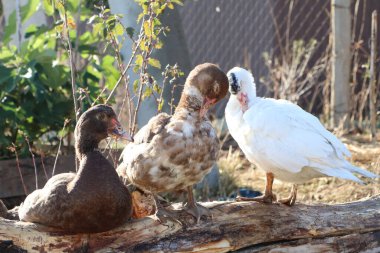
(241, 32)
(238, 32)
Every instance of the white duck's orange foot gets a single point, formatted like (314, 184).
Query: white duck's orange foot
(268, 198)
(291, 200)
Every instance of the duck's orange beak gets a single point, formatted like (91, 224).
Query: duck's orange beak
(207, 103)
(117, 131)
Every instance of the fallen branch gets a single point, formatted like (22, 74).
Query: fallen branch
(235, 225)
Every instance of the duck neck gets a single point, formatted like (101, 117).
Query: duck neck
(250, 90)
(191, 100)
(85, 144)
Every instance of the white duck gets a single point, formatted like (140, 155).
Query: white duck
(282, 139)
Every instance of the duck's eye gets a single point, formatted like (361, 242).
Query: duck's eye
(101, 116)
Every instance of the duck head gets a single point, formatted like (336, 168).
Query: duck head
(241, 86)
(206, 85)
(96, 124)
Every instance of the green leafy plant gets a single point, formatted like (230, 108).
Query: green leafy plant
(76, 57)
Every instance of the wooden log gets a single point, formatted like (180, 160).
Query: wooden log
(235, 225)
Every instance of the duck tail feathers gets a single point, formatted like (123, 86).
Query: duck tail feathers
(360, 171)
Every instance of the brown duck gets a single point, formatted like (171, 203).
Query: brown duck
(173, 153)
(92, 200)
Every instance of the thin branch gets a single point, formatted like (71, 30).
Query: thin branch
(34, 161)
(143, 72)
(19, 24)
(59, 146)
(125, 71)
(77, 21)
(13, 149)
(43, 165)
(72, 68)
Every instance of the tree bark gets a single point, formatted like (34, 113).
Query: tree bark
(253, 227)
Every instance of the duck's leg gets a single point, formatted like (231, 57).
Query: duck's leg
(193, 208)
(289, 201)
(268, 197)
(162, 214)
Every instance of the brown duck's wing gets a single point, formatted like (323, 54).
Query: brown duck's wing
(45, 205)
(155, 126)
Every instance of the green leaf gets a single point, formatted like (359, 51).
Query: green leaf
(111, 22)
(26, 12)
(48, 7)
(119, 29)
(140, 16)
(179, 2)
(158, 44)
(148, 92)
(29, 9)
(46, 56)
(93, 19)
(135, 85)
(28, 74)
(154, 63)
(160, 105)
(147, 30)
(5, 74)
(130, 32)
(10, 28)
(139, 60)
(60, 7)
(96, 28)
(156, 88)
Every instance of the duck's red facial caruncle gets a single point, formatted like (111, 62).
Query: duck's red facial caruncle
(116, 130)
(243, 100)
(207, 103)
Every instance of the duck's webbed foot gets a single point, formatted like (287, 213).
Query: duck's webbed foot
(195, 209)
(266, 198)
(291, 200)
(162, 215)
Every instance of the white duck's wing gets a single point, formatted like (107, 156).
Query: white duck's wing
(281, 134)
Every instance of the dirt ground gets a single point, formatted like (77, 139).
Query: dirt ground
(323, 190)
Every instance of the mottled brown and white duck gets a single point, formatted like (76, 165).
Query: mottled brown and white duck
(92, 200)
(175, 152)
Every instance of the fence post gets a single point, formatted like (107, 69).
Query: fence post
(373, 81)
(341, 57)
